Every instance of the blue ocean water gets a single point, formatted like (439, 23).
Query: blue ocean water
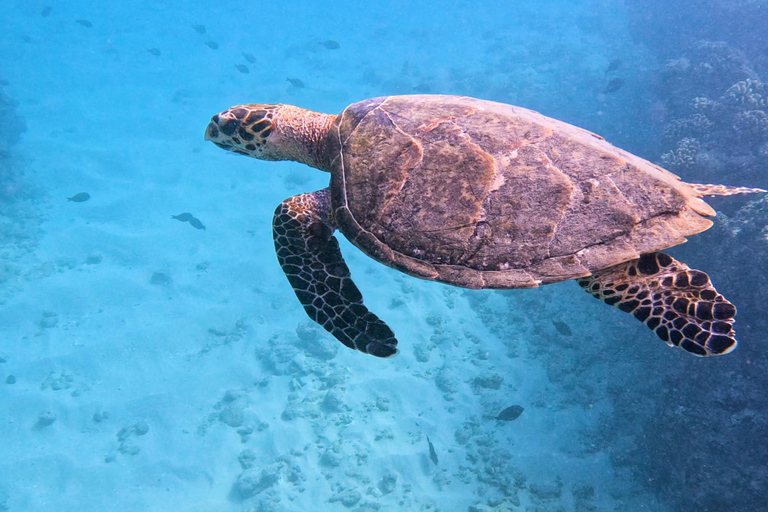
(149, 365)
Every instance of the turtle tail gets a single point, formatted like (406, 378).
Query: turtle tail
(702, 190)
(678, 303)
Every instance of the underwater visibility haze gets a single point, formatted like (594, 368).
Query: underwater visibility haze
(153, 355)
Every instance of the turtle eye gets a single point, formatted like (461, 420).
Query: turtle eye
(229, 126)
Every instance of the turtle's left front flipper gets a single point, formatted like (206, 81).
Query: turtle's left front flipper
(310, 257)
(678, 303)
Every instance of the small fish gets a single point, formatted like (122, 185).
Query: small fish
(562, 327)
(614, 85)
(196, 223)
(331, 44)
(213, 45)
(85, 23)
(200, 29)
(422, 88)
(159, 279)
(432, 452)
(46, 11)
(154, 51)
(79, 198)
(249, 57)
(183, 217)
(614, 65)
(242, 68)
(510, 413)
(296, 83)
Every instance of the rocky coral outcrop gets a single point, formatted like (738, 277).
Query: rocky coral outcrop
(717, 116)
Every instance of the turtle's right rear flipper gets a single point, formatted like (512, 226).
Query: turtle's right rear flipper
(678, 303)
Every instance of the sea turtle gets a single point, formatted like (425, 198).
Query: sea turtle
(479, 194)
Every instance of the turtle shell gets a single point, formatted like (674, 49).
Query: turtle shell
(487, 195)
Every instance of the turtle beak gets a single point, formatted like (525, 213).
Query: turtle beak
(213, 134)
(212, 131)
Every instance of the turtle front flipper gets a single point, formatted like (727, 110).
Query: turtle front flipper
(309, 254)
(678, 303)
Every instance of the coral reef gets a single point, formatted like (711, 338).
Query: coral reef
(709, 422)
(19, 216)
(683, 156)
(717, 125)
(11, 129)
(11, 125)
(749, 93)
(707, 69)
(667, 25)
(719, 429)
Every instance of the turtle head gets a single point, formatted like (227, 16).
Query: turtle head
(272, 132)
(246, 130)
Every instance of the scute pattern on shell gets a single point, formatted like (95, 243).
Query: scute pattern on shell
(481, 194)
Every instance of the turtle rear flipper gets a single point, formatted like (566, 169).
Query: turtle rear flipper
(310, 257)
(678, 303)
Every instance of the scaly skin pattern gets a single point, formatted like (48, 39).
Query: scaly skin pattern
(678, 303)
(310, 257)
